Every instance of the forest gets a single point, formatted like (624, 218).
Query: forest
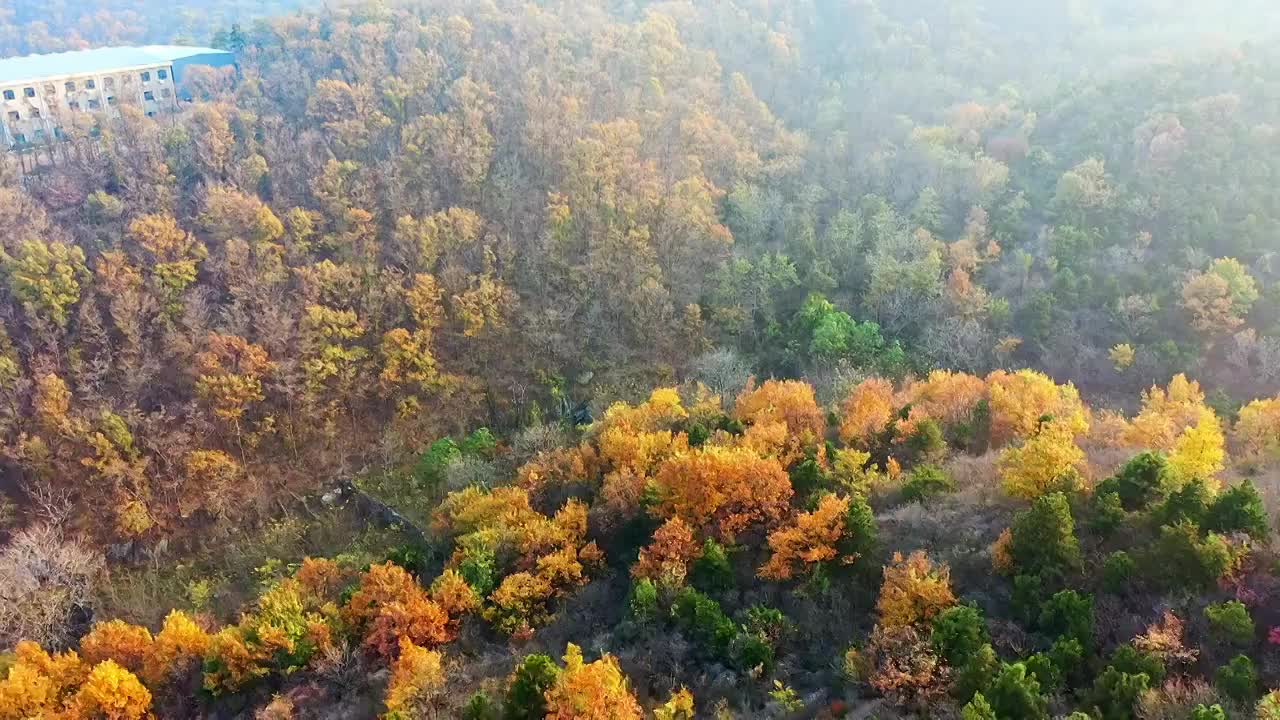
(676, 359)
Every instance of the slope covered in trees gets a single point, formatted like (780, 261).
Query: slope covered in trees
(982, 546)
(407, 220)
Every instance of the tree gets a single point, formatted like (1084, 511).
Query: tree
(679, 707)
(417, 682)
(1014, 693)
(811, 539)
(526, 695)
(1219, 298)
(789, 402)
(669, 557)
(722, 490)
(388, 606)
(111, 691)
(867, 411)
(46, 578)
(1257, 430)
(47, 278)
(1239, 509)
(1043, 540)
(1046, 461)
(1021, 401)
(590, 691)
(959, 633)
(914, 591)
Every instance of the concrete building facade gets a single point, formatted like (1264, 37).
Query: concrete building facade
(39, 94)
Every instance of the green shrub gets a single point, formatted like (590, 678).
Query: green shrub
(1028, 594)
(1106, 513)
(1208, 712)
(926, 442)
(479, 568)
(1068, 614)
(978, 709)
(526, 696)
(480, 707)
(703, 621)
(1117, 572)
(958, 633)
(1230, 622)
(698, 434)
(1237, 679)
(766, 622)
(1239, 509)
(807, 475)
(1182, 559)
(480, 443)
(428, 471)
(643, 602)
(975, 676)
(1187, 504)
(860, 533)
(926, 481)
(1014, 693)
(1115, 693)
(1063, 663)
(712, 572)
(1043, 538)
(1139, 483)
(1129, 659)
(749, 652)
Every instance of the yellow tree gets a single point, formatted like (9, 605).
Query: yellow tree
(1042, 463)
(46, 278)
(945, 396)
(417, 682)
(790, 402)
(112, 692)
(723, 490)
(1020, 400)
(591, 691)
(809, 539)
(914, 590)
(1257, 430)
(1199, 451)
(867, 410)
(1219, 298)
(174, 256)
(667, 559)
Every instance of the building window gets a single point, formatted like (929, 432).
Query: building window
(29, 92)
(111, 99)
(108, 82)
(71, 86)
(162, 74)
(49, 89)
(166, 93)
(14, 116)
(20, 138)
(9, 95)
(146, 76)
(91, 84)
(73, 106)
(149, 96)
(39, 135)
(94, 104)
(151, 113)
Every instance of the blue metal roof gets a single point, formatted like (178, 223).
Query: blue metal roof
(35, 67)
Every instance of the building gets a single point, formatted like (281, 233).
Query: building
(38, 93)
